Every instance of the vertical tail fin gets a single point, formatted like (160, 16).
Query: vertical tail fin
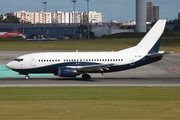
(151, 42)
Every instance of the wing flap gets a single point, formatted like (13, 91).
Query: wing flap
(89, 68)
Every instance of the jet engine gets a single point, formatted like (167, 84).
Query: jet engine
(67, 72)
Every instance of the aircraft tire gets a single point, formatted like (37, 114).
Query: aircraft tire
(86, 77)
(27, 77)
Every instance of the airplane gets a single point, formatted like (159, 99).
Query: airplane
(72, 64)
(10, 34)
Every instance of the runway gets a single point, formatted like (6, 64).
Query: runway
(40, 82)
(163, 73)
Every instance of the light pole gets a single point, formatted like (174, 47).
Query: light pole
(74, 1)
(45, 15)
(88, 16)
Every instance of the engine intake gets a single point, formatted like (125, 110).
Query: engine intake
(67, 72)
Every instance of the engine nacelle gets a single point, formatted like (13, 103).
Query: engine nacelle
(67, 72)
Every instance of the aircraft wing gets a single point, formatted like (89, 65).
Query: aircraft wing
(89, 68)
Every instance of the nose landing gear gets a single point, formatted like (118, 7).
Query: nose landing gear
(27, 77)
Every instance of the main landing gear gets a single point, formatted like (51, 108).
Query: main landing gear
(86, 77)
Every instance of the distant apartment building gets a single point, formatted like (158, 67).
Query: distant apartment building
(48, 17)
(57, 17)
(67, 17)
(40, 17)
(25, 16)
(149, 10)
(95, 17)
(33, 17)
(179, 16)
(155, 13)
(76, 17)
(152, 12)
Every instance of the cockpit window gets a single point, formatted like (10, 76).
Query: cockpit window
(18, 59)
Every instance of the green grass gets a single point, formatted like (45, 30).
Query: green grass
(90, 103)
(73, 45)
(140, 35)
(103, 44)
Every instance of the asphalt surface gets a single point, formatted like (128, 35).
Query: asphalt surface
(162, 73)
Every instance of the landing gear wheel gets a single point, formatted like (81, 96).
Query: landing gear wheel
(86, 77)
(27, 77)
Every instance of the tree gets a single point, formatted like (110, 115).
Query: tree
(1, 18)
(10, 18)
(85, 18)
(83, 30)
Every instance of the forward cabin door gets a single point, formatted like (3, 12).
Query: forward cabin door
(33, 60)
(132, 60)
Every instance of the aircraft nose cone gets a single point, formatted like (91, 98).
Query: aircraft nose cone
(9, 65)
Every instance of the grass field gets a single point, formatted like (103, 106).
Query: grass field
(90, 103)
(116, 42)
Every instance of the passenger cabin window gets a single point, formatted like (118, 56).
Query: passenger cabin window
(44, 60)
(72, 60)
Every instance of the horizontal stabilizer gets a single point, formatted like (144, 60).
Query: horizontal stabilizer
(161, 53)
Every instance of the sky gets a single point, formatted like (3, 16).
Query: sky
(120, 10)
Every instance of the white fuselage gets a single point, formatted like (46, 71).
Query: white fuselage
(39, 60)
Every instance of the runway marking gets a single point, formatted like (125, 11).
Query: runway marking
(175, 63)
(175, 69)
